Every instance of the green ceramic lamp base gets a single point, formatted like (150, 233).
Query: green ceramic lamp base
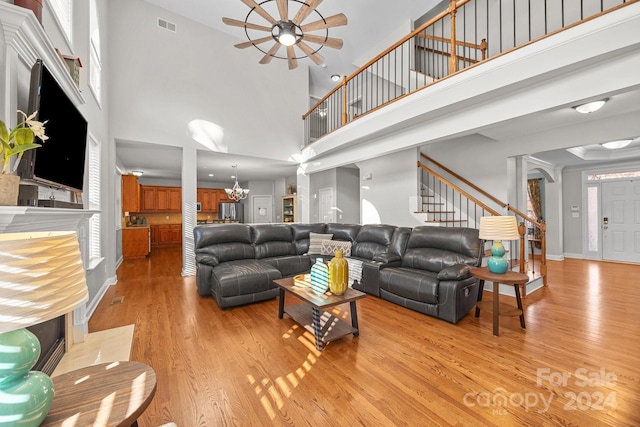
(497, 263)
(25, 397)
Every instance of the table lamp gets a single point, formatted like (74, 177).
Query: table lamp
(41, 278)
(498, 228)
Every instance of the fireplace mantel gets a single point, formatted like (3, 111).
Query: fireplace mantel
(16, 219)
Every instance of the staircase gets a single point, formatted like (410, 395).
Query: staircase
(447, 199)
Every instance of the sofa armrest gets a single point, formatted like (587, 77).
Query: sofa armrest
(388, 259)
(455, 272)
(207, 259)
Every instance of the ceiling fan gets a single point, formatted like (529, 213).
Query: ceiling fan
(288, 32)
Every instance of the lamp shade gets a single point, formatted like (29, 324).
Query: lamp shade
(41, 277)
(498, 228)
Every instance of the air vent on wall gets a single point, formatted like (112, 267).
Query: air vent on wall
(163, 23)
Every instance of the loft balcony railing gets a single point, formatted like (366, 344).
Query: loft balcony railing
(465, 34)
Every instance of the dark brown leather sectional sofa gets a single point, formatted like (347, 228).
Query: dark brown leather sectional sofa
(424, 269)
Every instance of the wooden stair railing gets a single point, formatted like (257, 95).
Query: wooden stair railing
(522, 217)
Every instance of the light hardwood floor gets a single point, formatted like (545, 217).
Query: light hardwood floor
(577, 363)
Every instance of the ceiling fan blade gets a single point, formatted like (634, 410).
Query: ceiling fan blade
(236, 23)
(253, 42)
(272, 52)
(332, 21)
(260, 11)
(308, 50)
(325, 41)
(283, 9)
(305, 11)
(291, 56)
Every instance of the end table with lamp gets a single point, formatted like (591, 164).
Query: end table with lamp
(499, 228)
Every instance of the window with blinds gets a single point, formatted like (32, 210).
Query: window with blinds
(63, 12)
(94, 198)
(95, 62)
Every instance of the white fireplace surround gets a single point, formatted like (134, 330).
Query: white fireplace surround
(22, 42)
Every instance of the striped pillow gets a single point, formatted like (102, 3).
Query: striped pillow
(315, 242)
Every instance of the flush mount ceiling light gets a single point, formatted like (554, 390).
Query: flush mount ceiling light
(236, 192)
(290, 33)
(614, 145)
(590, 107)
(137, 173)
(335, 77)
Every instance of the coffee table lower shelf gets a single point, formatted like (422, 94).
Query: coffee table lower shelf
(330, 327)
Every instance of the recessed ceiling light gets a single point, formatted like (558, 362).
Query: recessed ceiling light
(335, 77)
(614, 145)
(137, 173)
(590, 107)
(210, 174)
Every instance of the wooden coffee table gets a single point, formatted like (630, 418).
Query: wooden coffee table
(325, 327)
(109, 394)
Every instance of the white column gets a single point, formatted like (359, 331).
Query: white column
(189, 213)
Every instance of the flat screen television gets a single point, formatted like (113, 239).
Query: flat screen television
(60, 161)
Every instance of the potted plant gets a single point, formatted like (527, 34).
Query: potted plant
(14, 144)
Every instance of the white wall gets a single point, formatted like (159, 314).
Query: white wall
(163, 80)
(348, 195)
(385, 198)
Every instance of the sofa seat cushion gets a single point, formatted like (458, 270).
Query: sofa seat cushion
(417, 285)
(243, 277)
(290, 265)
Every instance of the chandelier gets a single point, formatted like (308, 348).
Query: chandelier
(236, 193)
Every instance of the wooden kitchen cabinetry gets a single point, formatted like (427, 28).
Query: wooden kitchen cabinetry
(208, 198)
(135, 242)
(166, 234)
(161, 199)
(290, 208)
(130, 193)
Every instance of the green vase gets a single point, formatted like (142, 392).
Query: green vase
(338, 274)
(25, 397)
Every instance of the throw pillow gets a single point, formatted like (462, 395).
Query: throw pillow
(315, 242)
(329, 247)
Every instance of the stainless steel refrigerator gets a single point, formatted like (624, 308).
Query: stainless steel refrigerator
(230, 211)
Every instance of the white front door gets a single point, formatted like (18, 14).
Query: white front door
(262, 209)
(621, 221)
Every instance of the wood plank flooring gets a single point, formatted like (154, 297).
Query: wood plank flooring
(577, 363)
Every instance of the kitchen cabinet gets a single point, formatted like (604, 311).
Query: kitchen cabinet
(161, 199)
(130, 193)
(290, 208)
(135, 242)
(166, 234)
(208, 198)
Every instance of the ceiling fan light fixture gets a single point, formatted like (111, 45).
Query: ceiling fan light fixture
(615, 145)
(286, 33)
(590, 107)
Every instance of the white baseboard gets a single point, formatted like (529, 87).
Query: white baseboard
(103, 290)
(509, 290)
(555, 257)
(575, 256)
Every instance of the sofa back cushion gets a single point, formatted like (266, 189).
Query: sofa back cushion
(371, 240)
(300, 234)
(272, 240)
(227, 242)
(346, 232)
(436, 248)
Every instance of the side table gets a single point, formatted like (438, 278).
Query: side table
(509, 278)
(109, 394)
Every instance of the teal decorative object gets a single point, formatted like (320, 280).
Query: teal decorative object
(25, 397)
(497, 263)
(319, 277)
